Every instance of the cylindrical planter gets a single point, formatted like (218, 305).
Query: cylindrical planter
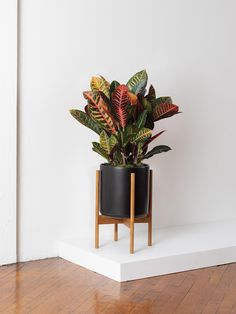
(115, 190)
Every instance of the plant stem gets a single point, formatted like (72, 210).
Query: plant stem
(136, 155)
(123, 159)
(122, 148)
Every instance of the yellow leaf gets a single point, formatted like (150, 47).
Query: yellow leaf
(132, 98)
(99, 84)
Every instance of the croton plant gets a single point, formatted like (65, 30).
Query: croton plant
(123, 115)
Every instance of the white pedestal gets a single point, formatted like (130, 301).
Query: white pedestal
(174, 249)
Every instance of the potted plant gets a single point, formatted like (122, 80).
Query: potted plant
(123, 116)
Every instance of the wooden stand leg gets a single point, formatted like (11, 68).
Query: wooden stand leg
(97, 209)
(115, 232)
(132, 211)
(150, 210)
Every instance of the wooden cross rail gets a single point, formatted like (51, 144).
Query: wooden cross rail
(129, 222)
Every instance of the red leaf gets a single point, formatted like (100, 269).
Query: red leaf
(152, 138)
(86, 109)
(120, 100)
(164, 110)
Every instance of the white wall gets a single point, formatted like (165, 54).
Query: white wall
(8, 74)
(188, 48)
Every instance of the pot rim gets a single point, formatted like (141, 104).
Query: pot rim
(121, 167)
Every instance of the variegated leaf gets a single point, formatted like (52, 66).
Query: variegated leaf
(99, 112)
(107, 143)
(164, 110)
(142, 135)
(162, 100)
(84, 119)
(99, 84)
(112, 142)
(98, 149)
(130, 132)
(120, 101)
(139, 152)
(104, 142)
(95, 96)
(138, 82)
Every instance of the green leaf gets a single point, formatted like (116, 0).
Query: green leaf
(98, 149)
(147, 105)
(142, 119)
(129, 133)
(113, 86)
(140, 152)
(151, 96)
(162, 100)
(117, 157)
(142, 135)
(112, 142)
(157, 150)
(104, 142)
(149, 122)
(107, 143)
(84, 119)
(138, 82)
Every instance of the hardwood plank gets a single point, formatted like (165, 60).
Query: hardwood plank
(229, 299)
(57, 286)
(202, 291)
(220, 290)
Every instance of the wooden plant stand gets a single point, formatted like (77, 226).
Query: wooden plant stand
(129, 222)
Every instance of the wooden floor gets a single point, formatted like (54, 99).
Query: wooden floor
(57, 286)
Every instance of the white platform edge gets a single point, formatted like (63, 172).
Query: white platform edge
(177, 249)
(177, 263)
(99, 264)
(146, 268)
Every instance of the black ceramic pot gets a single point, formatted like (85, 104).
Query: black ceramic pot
(115, 190)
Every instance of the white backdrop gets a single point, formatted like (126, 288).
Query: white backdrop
(8, 75)
(188, 48)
